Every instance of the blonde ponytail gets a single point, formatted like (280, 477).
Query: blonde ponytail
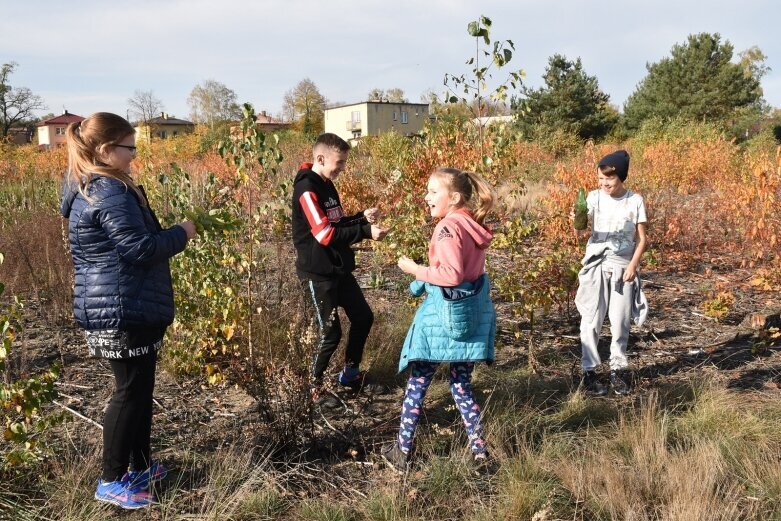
(467, 183)
(485, 194)
(83, 140)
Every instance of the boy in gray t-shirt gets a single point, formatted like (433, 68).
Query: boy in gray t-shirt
(607, 280)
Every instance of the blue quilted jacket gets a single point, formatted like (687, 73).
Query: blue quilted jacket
(120, 257)
(452, 324)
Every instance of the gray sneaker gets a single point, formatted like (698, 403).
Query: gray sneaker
(483, 464)
(592, 385)
(618, 383)
(396, 458)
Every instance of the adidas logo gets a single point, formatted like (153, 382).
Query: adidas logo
(444, 233)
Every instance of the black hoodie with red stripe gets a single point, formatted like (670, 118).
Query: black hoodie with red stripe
(322, 234)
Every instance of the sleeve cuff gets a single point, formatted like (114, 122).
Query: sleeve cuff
(367, 230)
(182, 237)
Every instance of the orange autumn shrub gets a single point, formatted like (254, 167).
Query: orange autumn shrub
(752, 205)
(703, 193)
(31, 162)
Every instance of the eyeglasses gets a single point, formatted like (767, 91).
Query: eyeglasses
(131, 148)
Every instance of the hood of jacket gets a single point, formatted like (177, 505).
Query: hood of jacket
(305, 172)
(479, 233)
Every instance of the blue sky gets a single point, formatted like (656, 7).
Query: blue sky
(90, 55)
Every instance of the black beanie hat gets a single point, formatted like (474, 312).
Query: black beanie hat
(618, 160)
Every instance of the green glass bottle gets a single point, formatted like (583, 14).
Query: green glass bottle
(581, 211)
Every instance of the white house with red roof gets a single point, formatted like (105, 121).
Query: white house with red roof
(51, 132)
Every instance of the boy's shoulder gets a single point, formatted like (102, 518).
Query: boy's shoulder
(306, 180)
(632, 195)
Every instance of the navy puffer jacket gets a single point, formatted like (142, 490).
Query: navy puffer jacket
(120, 256)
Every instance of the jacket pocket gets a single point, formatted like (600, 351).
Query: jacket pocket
(460, 318)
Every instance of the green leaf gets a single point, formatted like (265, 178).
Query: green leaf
(473, 29)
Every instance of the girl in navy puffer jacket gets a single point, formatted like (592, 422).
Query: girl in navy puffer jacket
(457, 322)
(123, 296)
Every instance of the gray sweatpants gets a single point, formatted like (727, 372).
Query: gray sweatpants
(615, 299)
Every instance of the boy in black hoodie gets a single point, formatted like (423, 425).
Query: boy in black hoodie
(322, 235)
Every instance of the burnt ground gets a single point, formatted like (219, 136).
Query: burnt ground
(678, 342)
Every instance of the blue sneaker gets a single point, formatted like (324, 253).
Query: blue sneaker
(140, 480)
(350, 376)
(356, 380)
(118, 493)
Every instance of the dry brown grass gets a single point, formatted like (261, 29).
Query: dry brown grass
(37, 264)
(641, 471)
(713, 456)
(520, 198)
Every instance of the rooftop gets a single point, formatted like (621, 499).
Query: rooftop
(64, 119)
(165, 119)
(380, 103)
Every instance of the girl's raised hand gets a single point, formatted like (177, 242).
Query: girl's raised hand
(189, 229)
(408, 265)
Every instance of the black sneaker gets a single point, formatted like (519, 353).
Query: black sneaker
(618, 383)
(395, 457)
(592, 385)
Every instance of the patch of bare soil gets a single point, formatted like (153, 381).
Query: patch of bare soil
(677, 342)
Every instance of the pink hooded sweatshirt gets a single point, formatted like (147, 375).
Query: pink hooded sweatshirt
(456, 252)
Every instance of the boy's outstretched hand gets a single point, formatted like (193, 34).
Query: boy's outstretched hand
(372, 215)
(408, 265)
(378, 233)
(630, 272)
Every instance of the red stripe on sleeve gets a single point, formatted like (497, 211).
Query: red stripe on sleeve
(318, 222)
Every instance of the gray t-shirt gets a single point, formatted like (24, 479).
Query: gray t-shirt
(614, 222)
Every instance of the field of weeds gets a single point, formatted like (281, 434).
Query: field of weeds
(697, 438)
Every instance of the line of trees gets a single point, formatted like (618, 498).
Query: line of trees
(698, 80)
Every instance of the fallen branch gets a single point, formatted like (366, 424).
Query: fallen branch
(703, 316)
(72, 385)
(337, 431)
(78, 414)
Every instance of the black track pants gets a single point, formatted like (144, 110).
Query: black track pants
(326, 297)
(128, 422)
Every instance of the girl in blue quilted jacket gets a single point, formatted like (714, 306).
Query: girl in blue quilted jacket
(456, 323)
(123, 296)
